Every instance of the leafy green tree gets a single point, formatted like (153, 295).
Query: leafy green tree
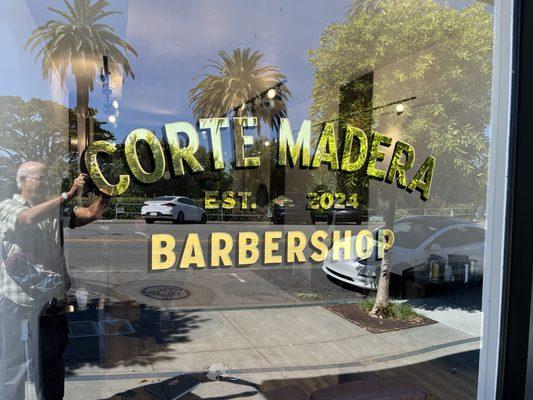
(37, 130)
(239, 86)
(420, 46)
(80, 41)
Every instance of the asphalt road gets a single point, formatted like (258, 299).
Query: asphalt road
(111, 261)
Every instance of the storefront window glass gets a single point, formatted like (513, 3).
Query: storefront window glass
(239, 199)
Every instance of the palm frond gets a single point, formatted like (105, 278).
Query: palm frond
(103, 15)
(68, 17)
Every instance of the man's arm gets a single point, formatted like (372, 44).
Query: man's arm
(85, 215)
(37, 213)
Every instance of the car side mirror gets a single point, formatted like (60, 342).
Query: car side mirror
(435, 247)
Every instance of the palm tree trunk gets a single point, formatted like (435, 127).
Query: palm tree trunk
(82, 114)
(381, 306)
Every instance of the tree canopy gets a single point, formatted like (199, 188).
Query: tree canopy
(442, 54)
(37, 130)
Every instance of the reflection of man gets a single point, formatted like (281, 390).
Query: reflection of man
(33, 283)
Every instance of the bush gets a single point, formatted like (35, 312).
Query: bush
(400, 311)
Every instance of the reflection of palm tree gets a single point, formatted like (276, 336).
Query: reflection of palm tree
(80, 42)
(240, 85)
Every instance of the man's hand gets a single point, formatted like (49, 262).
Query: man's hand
(77, 185)
(85, 215)
(99, 207)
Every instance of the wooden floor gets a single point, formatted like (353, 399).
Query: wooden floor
(439, 380)
(449, 378)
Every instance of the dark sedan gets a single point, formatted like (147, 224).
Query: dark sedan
(295, 212)
(345, 215)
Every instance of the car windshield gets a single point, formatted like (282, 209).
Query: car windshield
(411, 234)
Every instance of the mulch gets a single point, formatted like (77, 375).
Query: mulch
(357, 315)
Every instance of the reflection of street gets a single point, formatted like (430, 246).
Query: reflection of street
(264, 323)
(118, 270)
(122, 257)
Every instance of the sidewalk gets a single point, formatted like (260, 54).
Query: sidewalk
(448, 314)
(272, 345)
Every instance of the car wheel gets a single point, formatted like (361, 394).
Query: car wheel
(330, 220)
(149, 221)
(204, 219)
(359, 222)
(179, 219)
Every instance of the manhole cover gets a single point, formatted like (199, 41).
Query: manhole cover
(182, 293)
(165, 292)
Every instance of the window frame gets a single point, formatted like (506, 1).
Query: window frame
(490, 368)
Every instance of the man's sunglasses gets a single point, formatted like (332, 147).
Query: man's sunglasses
(41, 179)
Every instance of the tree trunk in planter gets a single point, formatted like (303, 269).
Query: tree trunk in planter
(381, 306)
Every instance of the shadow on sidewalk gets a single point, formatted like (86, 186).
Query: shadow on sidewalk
(155, 330)
(454, 298)
(144, 392)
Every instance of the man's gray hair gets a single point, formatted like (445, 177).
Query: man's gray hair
(26, 169)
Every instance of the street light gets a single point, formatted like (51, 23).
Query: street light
(400, 108)
(272, 93)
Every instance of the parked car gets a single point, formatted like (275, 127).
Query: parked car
(287, 211)
(427, 249)
(345, 215)
(177, 209)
